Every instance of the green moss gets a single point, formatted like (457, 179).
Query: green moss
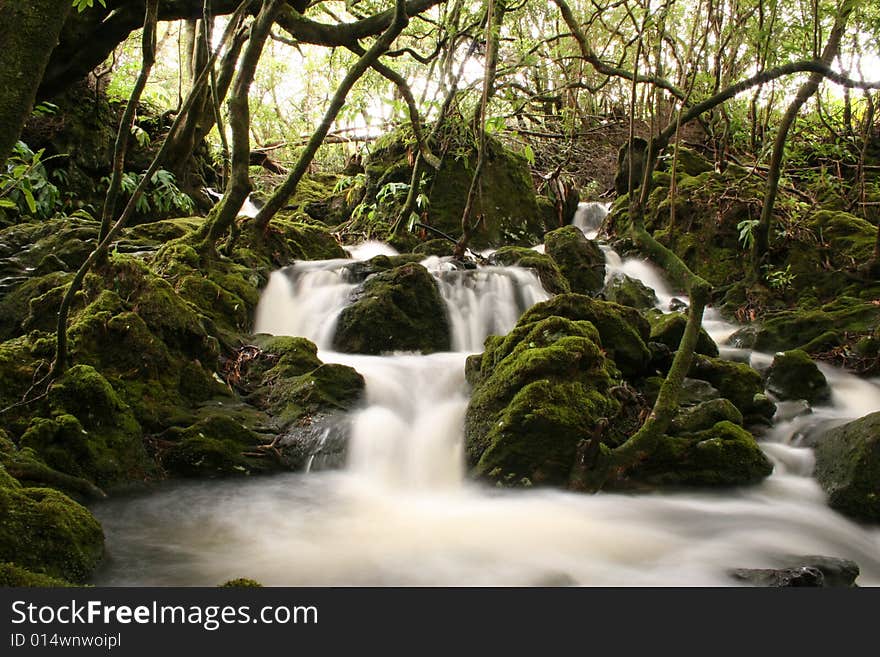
(544, 266)
(848, 467)
(46, 532)
(12, 575)
(794, 375)
(435, 247)
(330, 387)
(704, 416)
(216, 446)
(629, 292)
(16, 305)
(723, 455)
(539, 392)
(396, 310)
(623, 330)
(668, 328)
(241, 582)
(737, 382)
(580, 260)
(799, 328)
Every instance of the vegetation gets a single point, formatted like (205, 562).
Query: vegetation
(739, 142)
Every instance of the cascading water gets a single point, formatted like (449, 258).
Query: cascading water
(403, 513)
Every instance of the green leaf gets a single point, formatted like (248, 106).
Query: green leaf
(6, 203)
(29, 199)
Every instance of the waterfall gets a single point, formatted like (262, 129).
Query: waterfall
(402, 512)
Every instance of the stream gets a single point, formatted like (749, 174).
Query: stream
(403, 512)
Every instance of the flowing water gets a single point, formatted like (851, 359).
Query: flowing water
(402, 511)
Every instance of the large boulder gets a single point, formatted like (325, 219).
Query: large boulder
(537, 393)
(46, 532)
(629, 291)
(668, 329)
(507, 203)
(848, 467)
(543, 265)
(580, 260)
(794, 375)
(623, 331)
(723, 455)
(396, 310)
(737, 382)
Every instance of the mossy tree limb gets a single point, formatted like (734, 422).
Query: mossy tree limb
(288, 188)
(28, 31)
(761, 236)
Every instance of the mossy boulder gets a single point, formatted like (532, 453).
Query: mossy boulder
(46, 532)
(537, 393)
(14, 576)
(793, 329)
(794, 375)
(704, 415)
(328, 388)
(216, 446)
(668, 329)
(623, 331)
(848, 467)
(737, 382)
(580, 260)
(395, 310)
(507, 202)
(544, 266)
(629, 292)
(437, 247)
(723, 455)
(16, 304)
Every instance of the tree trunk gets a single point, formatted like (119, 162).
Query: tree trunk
(239, 185)
(29, 32)
(761, 241)
(288, 188)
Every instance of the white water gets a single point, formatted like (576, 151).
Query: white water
(403, 512)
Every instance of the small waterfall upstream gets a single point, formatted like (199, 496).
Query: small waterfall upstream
(402, 512)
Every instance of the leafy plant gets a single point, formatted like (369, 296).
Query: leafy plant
(82, 5)
(778, 279)
(747, 232)
(25, 185)
(163, 197)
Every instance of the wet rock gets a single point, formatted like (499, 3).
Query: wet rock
(794, 375)
(848, 467)
(696, 391)
(704, 416)
(396, 310)
(806, 571)
(629, 292)
(580, 260)
(537, 393)
(437, 247)
(737, 382)
(677, 305)
(623, 331)
(46, 532)
(789, 410)
(723, 455)
(551, 277)
(668, 329)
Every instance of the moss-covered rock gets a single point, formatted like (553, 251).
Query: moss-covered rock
(793, 329)
(92, 434)
(241, 582)
(437, 247)
(723, 455)
(544, 266)
(538, 393)
(629, 292)
(623, 331)
(215, 447)
(328, 388)
(794, 375)
(507, 202)
(580, 260)
(704, 415)
(737, 382)
(16, 305)
(848, 467)
(668, 328)
(396, 310)
(46, 532)
(12, 575)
